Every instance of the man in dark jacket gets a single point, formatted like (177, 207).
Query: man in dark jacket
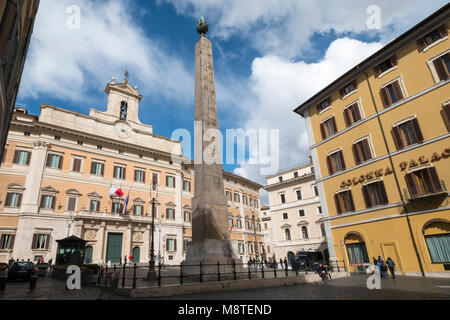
(391, 265)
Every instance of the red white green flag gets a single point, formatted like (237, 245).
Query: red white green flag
(115, 191)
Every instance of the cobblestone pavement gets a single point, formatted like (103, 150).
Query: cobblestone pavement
(408, 288)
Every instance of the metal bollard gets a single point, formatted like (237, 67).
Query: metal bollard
(262, 269)
(201, 272)
(159, 275)
(123, 276)
(181, 274)
(218, 271)
(234, 269)
(33, 281)
(134, 276)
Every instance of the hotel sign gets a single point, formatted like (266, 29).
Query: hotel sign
(366, 177)
(424, 160)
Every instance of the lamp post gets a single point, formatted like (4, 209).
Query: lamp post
(254, 229)
(151, 275)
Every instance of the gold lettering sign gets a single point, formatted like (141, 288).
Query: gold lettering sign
(435, 157)
(388, 171)
(413, 163)
(379, 173)
(369, 176)
(423, 160)
(403, 165)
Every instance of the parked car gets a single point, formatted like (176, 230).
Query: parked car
(42, 269)
(21, 270)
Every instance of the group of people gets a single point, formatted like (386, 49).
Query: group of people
(323, 272)
(40, 261)
(384, 266)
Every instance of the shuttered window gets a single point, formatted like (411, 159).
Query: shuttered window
(422, 182)
(13, 200)
(119, 172)
(117, 207)
(97, 168)
(54, 161)
(187, 217)
(349, 88)
(446, 115)
(335, 162)
(139, 176)
(328, 128)
(41, 242)
(94, 206)
(71, 204)
(22, 157)
(76, 167)
(187, 185)
(138, 210)
(352, 114)
(407, 133)
(7, 241)
(170, 182)
(391, 93)
(171, 244)
(361, 151)
(385, 65)
(170, 214)
(324, 105)
(375, 194)
(48, 202)
(432, 37)
(237, 198)
(344, 202)
(442, 66)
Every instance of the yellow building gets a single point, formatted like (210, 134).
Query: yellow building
(380, 143)
(58, 170)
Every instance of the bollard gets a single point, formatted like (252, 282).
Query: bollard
(275, 271)
(262, 269)
(286, 269)
(159, 275)
(234, 269)
(249, 273)
(33, 281)
(181, 274)
(201, 272)
(123, 276)
(218, 271)
(134, 276)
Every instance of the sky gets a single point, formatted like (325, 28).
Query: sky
(269, 57)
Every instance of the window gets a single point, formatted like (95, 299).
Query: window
(71, 204)
(432, 37)
(285, 216)
(76, 165)
(438, 247)
(241, 248)
(361, 151)
(391, 93)
(287, 234)
(357, 253)
(230, 222)
(324, 105)
(123, 110)
(446, 114)
(7, 241)
(119, 172)
(385, 65)
(155, 178)
(407, 133)
(138, 210)
(283, 198)
(335, 162)
(48, 202)
(301, 213)
(94, 206)
(422, 182)
(352, 114)
(170, 182)
(259, 227)
(299, 194)
(40, 242)
(247, 225)
(80, 143)
(97, 168)
(244, 199)
(344, 202)
(328, 128)
(187, 185)
(22, 157)
(239, 223)
(187, 217)
(280, 179)
(140, 156)
(375, 194)
(228, 195)
(99, 147)
(305, 233)
(170, 214)
(442, 66)
(54, 161)
(319, 210)
(120, 151)
(171, 244)
(256, 203)
(296, 174)
(13, 200)
(58, 138)
(322, 230)
(348, 89)
(139, 176)
(316, 191)
(117, 207)
(237, 198)
(250, 248)
(27, 134)
(265, 226)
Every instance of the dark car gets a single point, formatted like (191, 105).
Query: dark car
(21, 270)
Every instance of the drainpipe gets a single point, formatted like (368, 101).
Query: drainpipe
(395, 174)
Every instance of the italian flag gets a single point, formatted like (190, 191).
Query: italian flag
(115, 191)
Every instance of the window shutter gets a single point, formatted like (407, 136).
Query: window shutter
(341, 155)
(34, 242)
(356, 154)
(366, 148)
(377, 71)
(355, 84)
(175, 244)
(318, 108)
(11, 245)
(143, 176)
(71, 204)
(42, 201)
(357, 112)
(333, 120)
(397, 137)
(28, 158)
(167, 244)
(342, 92)
(322, 131)
(103, 169)
(19, 203)
(124, 174)
(397, 90)
(421, 44)
(53, 202)
(347, 117)
(366, 196)
(330, 166)
(385, 97)
(16, 157)
(61, 158)
(437, 187)
(338, 205)
(352, 203)
(8, 199)
(443, 30)
(447, 114)
(411, 185)
(393, 60)
(416, 126)
(440, 69)
(135, 175)
(47, 242)
(92, 167)
(167, 181)
(383, 193)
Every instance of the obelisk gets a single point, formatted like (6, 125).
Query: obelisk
(210, 230)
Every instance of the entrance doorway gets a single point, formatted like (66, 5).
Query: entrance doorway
(88, 255)
(114, 247)
(390, 251)
(136, 255)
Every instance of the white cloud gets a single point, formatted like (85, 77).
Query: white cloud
(284, 27)
(64, 63)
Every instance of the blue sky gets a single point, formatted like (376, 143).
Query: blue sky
(269, 57)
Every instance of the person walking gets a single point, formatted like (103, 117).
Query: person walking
(391, 266)
(281, 264)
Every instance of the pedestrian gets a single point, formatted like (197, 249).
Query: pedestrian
(285, 263)
(375, 261)
(281, 263)
(391, 266)
(50, 262)
(125, 260)
(11, 262)
(383, 269)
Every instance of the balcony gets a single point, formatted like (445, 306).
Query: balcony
(431, 194)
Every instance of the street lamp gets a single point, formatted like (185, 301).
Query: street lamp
(254, 229)
(151, 270)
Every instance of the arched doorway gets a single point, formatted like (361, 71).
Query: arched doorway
(290, 257)
(437, 237)
(88, 255)
(136, 254)
(356, 249)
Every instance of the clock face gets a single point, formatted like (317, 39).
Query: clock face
(123, 130)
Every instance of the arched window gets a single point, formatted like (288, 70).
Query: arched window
(322, 228)
(123, 110)
(287, 234)
(305, 233)
(437, 238)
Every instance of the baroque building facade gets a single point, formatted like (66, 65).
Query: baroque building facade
(296, 215)
(58, 170)
(379, 139)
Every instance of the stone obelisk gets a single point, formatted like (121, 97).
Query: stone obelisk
(210, 231)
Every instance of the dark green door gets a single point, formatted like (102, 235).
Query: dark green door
(136, 254)
(88, 255)
(114, 251)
